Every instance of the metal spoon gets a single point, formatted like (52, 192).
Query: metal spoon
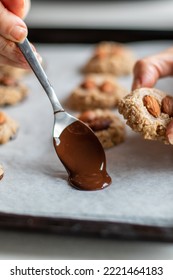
(75, 143)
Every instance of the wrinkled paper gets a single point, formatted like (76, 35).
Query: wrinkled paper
(35, 182)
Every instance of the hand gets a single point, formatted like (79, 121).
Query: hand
(12, 29)
(17, 7)
(148, 70)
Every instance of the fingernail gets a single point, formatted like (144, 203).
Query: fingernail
(18, 33)
(170, 138)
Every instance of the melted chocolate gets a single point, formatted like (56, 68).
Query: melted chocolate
(83, 157)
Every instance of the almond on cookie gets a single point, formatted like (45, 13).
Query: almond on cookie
(96, 91)
(148, 111)
(111, 58)
(109, 129)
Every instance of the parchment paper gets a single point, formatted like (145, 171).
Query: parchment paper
(35, 182)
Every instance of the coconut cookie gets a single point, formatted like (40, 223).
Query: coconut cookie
(10, 71)
(107, 126)
(111, 57)
(148, 111)
(97, 91)
(11, 91)
(8, 128)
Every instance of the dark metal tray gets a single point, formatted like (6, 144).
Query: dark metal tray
(90, 227)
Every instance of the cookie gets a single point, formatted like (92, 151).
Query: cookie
(8, 128)
(112, 58)
(11, 91)
(1, 172)
(106, 125)
(148, 111)
(10, 71)
(97, 91)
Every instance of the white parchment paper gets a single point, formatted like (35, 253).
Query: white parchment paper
(35, 181)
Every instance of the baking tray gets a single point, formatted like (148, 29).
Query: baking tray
(35, 195)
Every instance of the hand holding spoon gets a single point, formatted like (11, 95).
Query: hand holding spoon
(75, 143)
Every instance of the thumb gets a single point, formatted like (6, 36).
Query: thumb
(16, 7)
(12, 27)
(148, 70)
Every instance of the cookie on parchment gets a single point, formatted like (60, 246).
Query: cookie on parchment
(10, 71)
(12, 91)
(109, 129)
(8, 128)
(97, 91)
(112, 58)
(148, 111)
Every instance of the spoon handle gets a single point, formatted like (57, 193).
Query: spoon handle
(40, 74)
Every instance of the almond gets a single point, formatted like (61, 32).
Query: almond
(100, 124)
(107, 87)
(167, 105)
(88, 84)
(101, 53)
(87, 116)
(152, 105)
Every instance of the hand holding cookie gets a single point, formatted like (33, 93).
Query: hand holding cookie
(148, 70)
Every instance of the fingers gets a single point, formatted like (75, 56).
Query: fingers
(26, 8)
(169, 132)
(9, 50)
(148, 70)
(145, 74)
(10, 54)
(17, 7)
(20, 7)
(11, 26)
(12, 30)
(7, 61)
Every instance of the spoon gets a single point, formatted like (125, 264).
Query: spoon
(75, 143)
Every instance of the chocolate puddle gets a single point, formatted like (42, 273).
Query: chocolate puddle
(83, 157)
